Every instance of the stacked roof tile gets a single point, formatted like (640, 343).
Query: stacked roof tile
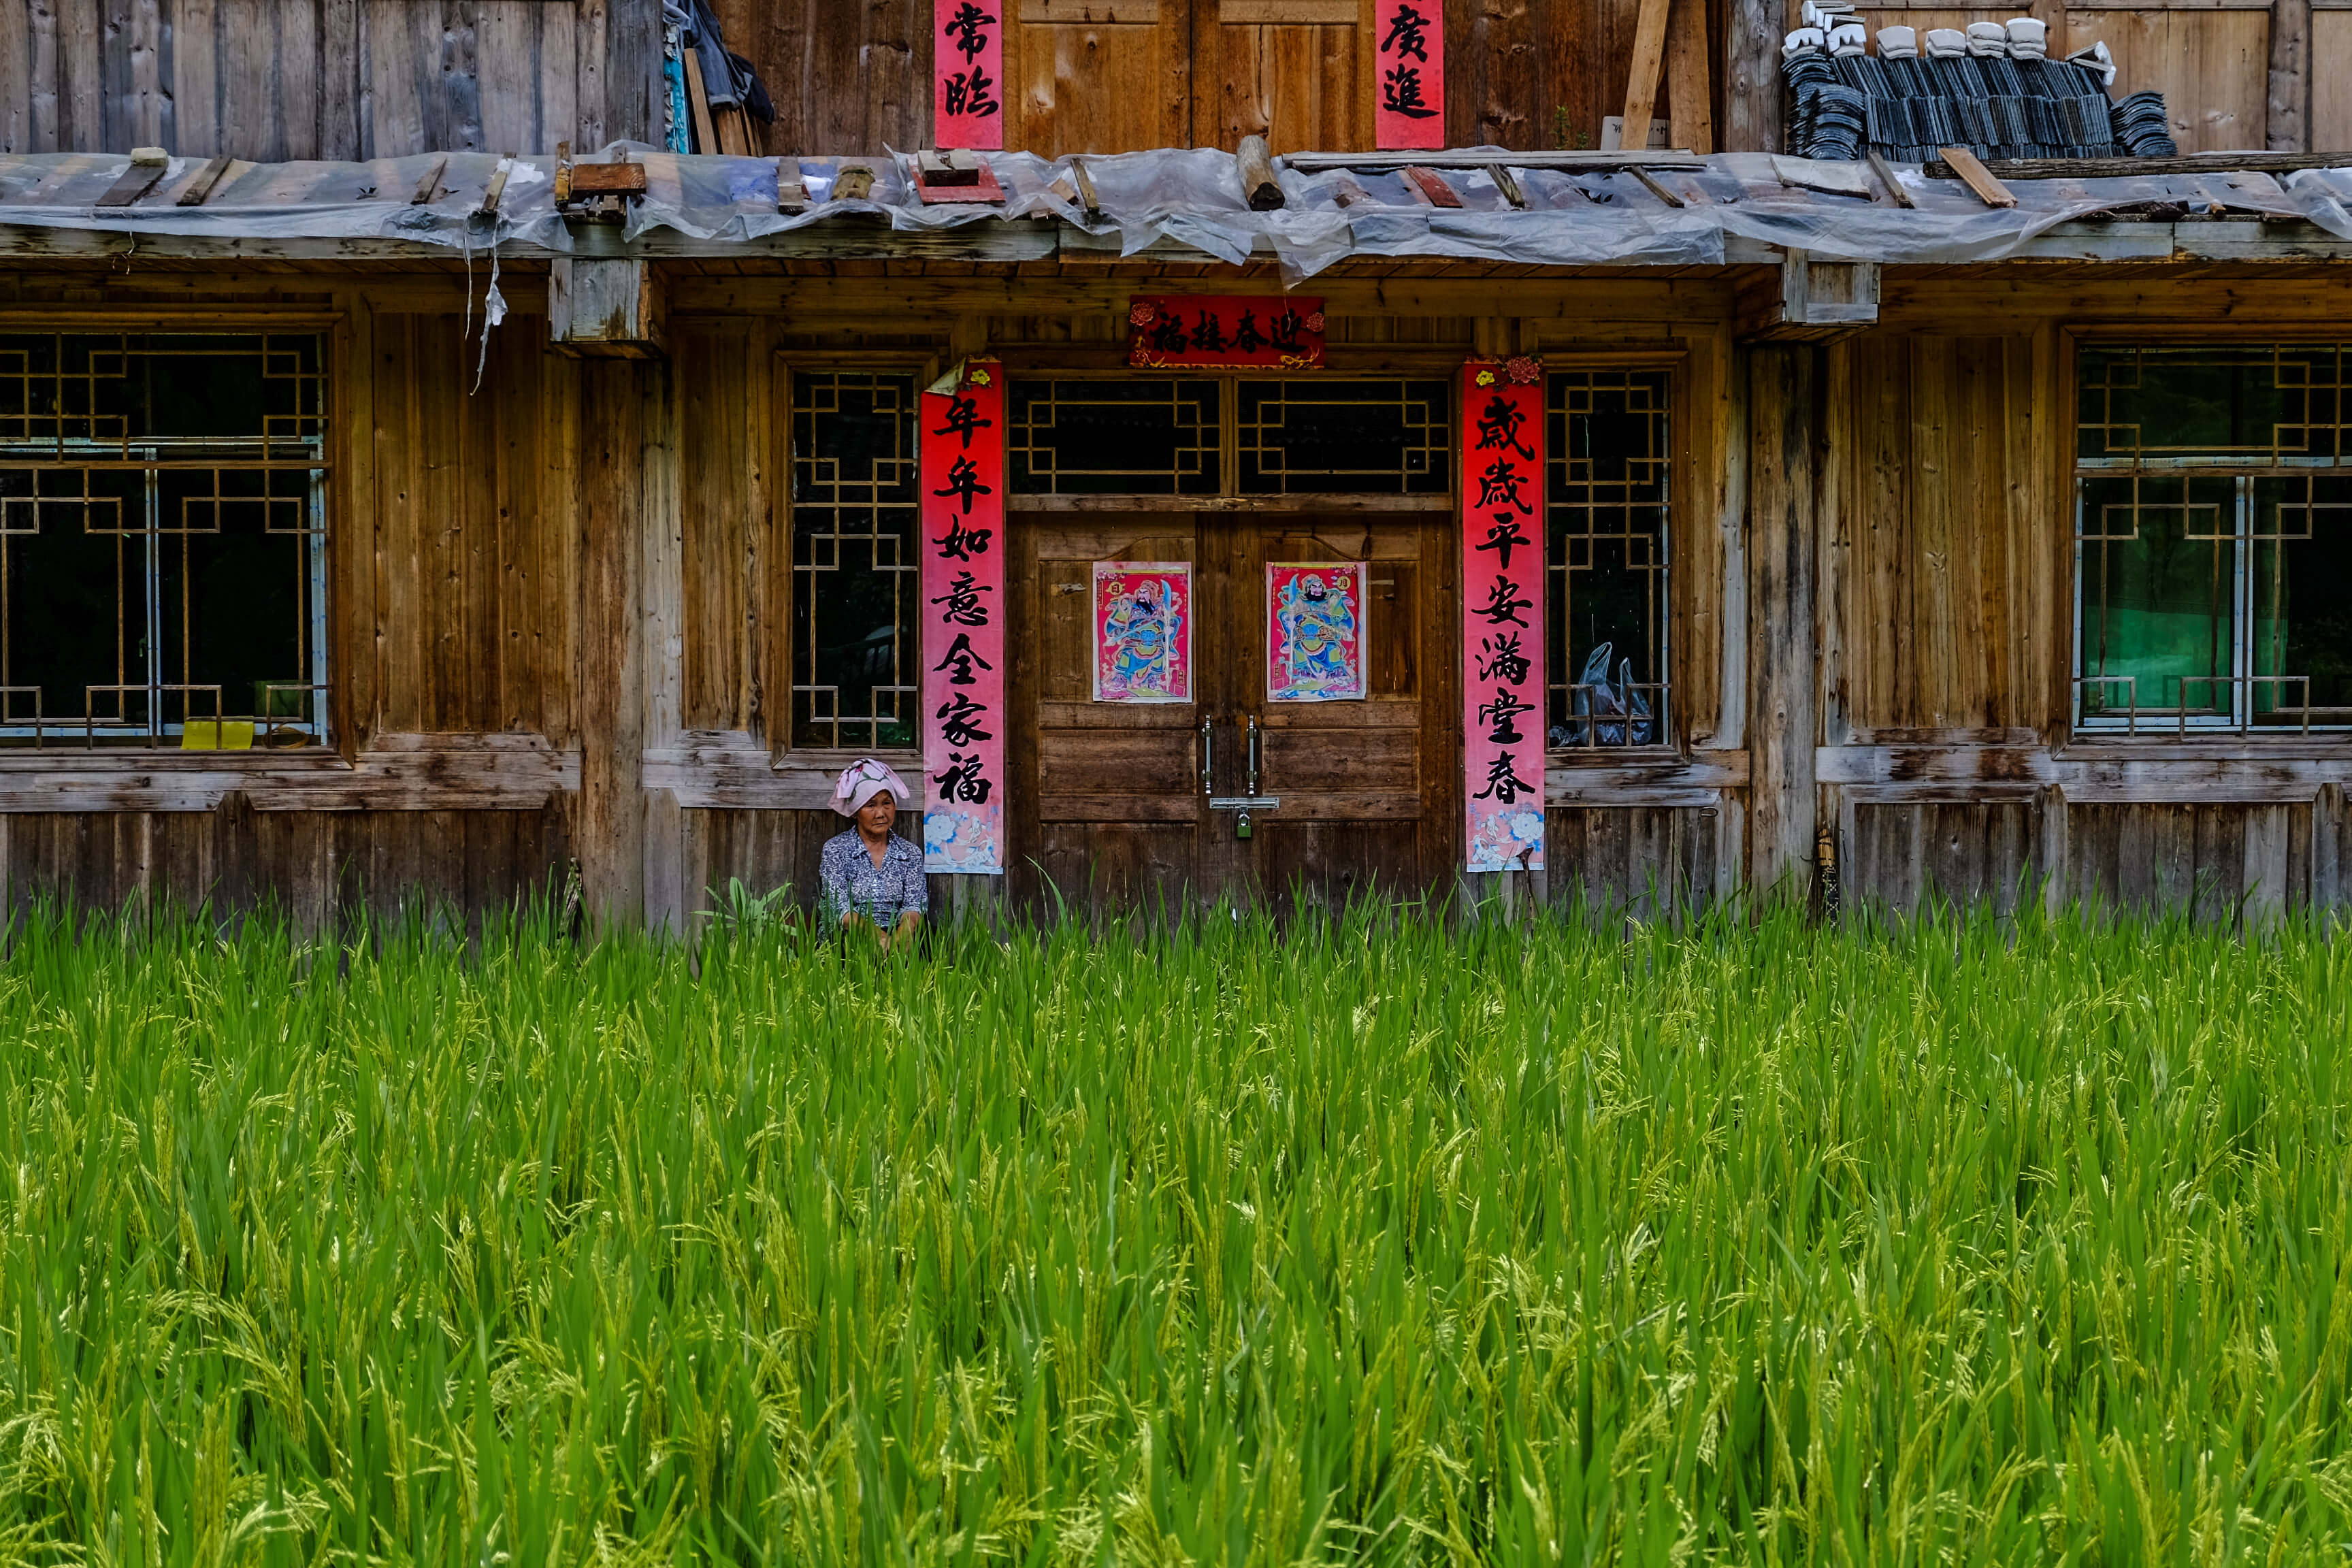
(1909, 109)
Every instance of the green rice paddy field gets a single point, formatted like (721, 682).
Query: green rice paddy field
(1769, 1244)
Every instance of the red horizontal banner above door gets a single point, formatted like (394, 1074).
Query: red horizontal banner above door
(1275, 332)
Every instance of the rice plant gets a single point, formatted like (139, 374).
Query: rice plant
(1369, 1242)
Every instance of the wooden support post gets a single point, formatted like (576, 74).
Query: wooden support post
(2057, 876)
(1642, 83)
(2263, 868)
(1751, 75)
(1834, 548)
(2327, 854)
(669, 903)
(1690, 78)
(609, 830)
(2287, 115)
(1731, 529)
(1783, 423)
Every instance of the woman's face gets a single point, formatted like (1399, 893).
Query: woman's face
(875, 815)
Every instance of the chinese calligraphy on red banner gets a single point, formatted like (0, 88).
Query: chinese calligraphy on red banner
(1165, 332)
(967, 75)
(963, 623)
(1409, 74)
(1503, 669)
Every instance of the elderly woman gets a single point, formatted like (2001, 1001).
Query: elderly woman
(869, 876)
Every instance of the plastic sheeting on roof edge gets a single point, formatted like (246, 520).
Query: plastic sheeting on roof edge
(1190, 196)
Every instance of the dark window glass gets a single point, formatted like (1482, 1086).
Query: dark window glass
(162, 540)
(1114, 438)
(1605, 512)
(2300, 609)
(855, 499)
(1323, 437)
(119, 388)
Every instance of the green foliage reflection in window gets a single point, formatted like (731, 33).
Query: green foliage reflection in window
(2213, 529)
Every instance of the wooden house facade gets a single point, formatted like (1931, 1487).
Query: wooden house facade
(1985, 579)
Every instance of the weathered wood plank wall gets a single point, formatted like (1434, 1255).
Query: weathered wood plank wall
(279, 79)
(1948, 769)
(1524, 74)
(324, 871)
(362, 78)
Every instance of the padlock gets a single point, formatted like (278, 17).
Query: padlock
(1242, 826)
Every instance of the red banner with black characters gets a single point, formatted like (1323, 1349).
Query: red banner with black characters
(967, 75)
(1409, 75)
(1503, 669)
(1166, 332)
(962, 616)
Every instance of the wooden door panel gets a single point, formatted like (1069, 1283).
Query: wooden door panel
(1107, 809)
(1106, 867)
(1130, 775)
(1363, 786)
(1330, 864)
(1372, 758)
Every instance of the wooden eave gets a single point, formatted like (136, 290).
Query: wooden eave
(1048, 248)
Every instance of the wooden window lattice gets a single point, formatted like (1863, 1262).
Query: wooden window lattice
(2214, 532)
(1606, 506)
(162, 537)
(854, 507)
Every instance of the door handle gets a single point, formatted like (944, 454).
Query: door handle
(1208, 756)
(1252, 758)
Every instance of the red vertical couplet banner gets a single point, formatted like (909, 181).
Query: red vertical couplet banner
(1409, 75)
(968, 74)
(1503, 668)
(962, 613)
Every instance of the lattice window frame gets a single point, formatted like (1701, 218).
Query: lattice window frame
(2301, 451)
(811, 728)
(67, 456)
(1567, 391)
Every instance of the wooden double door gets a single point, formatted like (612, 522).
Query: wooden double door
(1128, 806)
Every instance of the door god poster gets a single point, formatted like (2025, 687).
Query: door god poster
(1315, 631)
(1144, 631)
(963, 622)
(1502, 614)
